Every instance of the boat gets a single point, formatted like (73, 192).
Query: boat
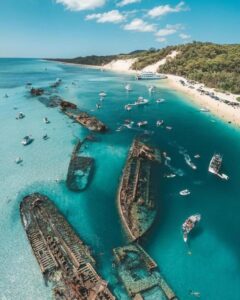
(189, 224)
(150, 76)
(185, 192)
(151, 89)
(141, 101)
(98, 106)
(172, 175)
(128, 107)
(46, 121)
(20, 116)
(197, 156)
(45, 137)
(27, 140)
(102, 94)
(142, 123)
(189, 162)
(204, 109)
(18, 160)
(160, 101)
(169, 127)
(56, 83)
(215, 164)
(159, 123)
(128, 87)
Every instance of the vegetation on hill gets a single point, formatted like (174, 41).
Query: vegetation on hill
(217, 66)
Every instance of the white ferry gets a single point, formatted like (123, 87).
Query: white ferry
(189, 224)
(150, 76)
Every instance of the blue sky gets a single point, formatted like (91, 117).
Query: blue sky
(70, 28)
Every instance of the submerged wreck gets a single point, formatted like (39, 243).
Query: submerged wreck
(136, 206)
(64, 260)
(80, 169)
(139, 274)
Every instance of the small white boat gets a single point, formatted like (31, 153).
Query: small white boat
(189, 224)
(189, 162)
(195, 294)
(185, 192)
(129, 125)
(169, 127)
(98, 106)
(20, 116)
(142, 123)
(224, 176)
(197, 156)
(128, 107)
(27, 140)
(172, 175)
(46, 121)
(160, 101)
(128, 87)
(159, 123)
(141, 101)
(18, 160)
(102, 94)
(151, 89)
(204, 109)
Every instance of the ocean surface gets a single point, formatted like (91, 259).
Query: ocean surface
(210, 265)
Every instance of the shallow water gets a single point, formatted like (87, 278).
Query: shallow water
(213, 266)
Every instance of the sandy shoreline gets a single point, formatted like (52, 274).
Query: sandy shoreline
(222, 110)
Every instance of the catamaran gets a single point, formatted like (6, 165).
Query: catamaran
(189, 224)
(150, 76)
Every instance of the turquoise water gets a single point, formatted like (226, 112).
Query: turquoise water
(213, 266)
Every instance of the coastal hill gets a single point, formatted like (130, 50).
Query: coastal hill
(217, 66)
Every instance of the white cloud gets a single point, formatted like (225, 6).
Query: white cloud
(184, 36)
(126, 2)
(168, 30)
(162, 10)
(77, 5)
(140, 25)
(113, 16)
(161, 39)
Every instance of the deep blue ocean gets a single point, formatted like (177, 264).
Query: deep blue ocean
(209, 265)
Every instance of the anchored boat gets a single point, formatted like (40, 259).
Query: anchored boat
(189, 224)
(215, 166)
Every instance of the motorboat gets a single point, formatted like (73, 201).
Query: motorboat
(160, 101)
(128, 87)
(20, 116)
(189, 224)
(172, 175)
(169, 127)
(46, 121)
(129, 125)
(204, 109)
(128, 107)
(189, 162)
(18, 160)
(197, 156)
(141, 101)
(159, 123)
(102, 94)
(185, 192)
(27, 140)
(142, 123)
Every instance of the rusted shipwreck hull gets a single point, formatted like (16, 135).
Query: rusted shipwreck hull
(136, 205)
(63, 258)
(80, 169)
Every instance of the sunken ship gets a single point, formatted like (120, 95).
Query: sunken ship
(65, 261)
(135, 202)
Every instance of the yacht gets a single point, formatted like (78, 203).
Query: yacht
(189, 224)
(189, 162)
(128, 87)
(159, 123)
(150, 76)
(215, 164)
(141, 101)
(27, 140)
(185, 192)
(142, 123)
